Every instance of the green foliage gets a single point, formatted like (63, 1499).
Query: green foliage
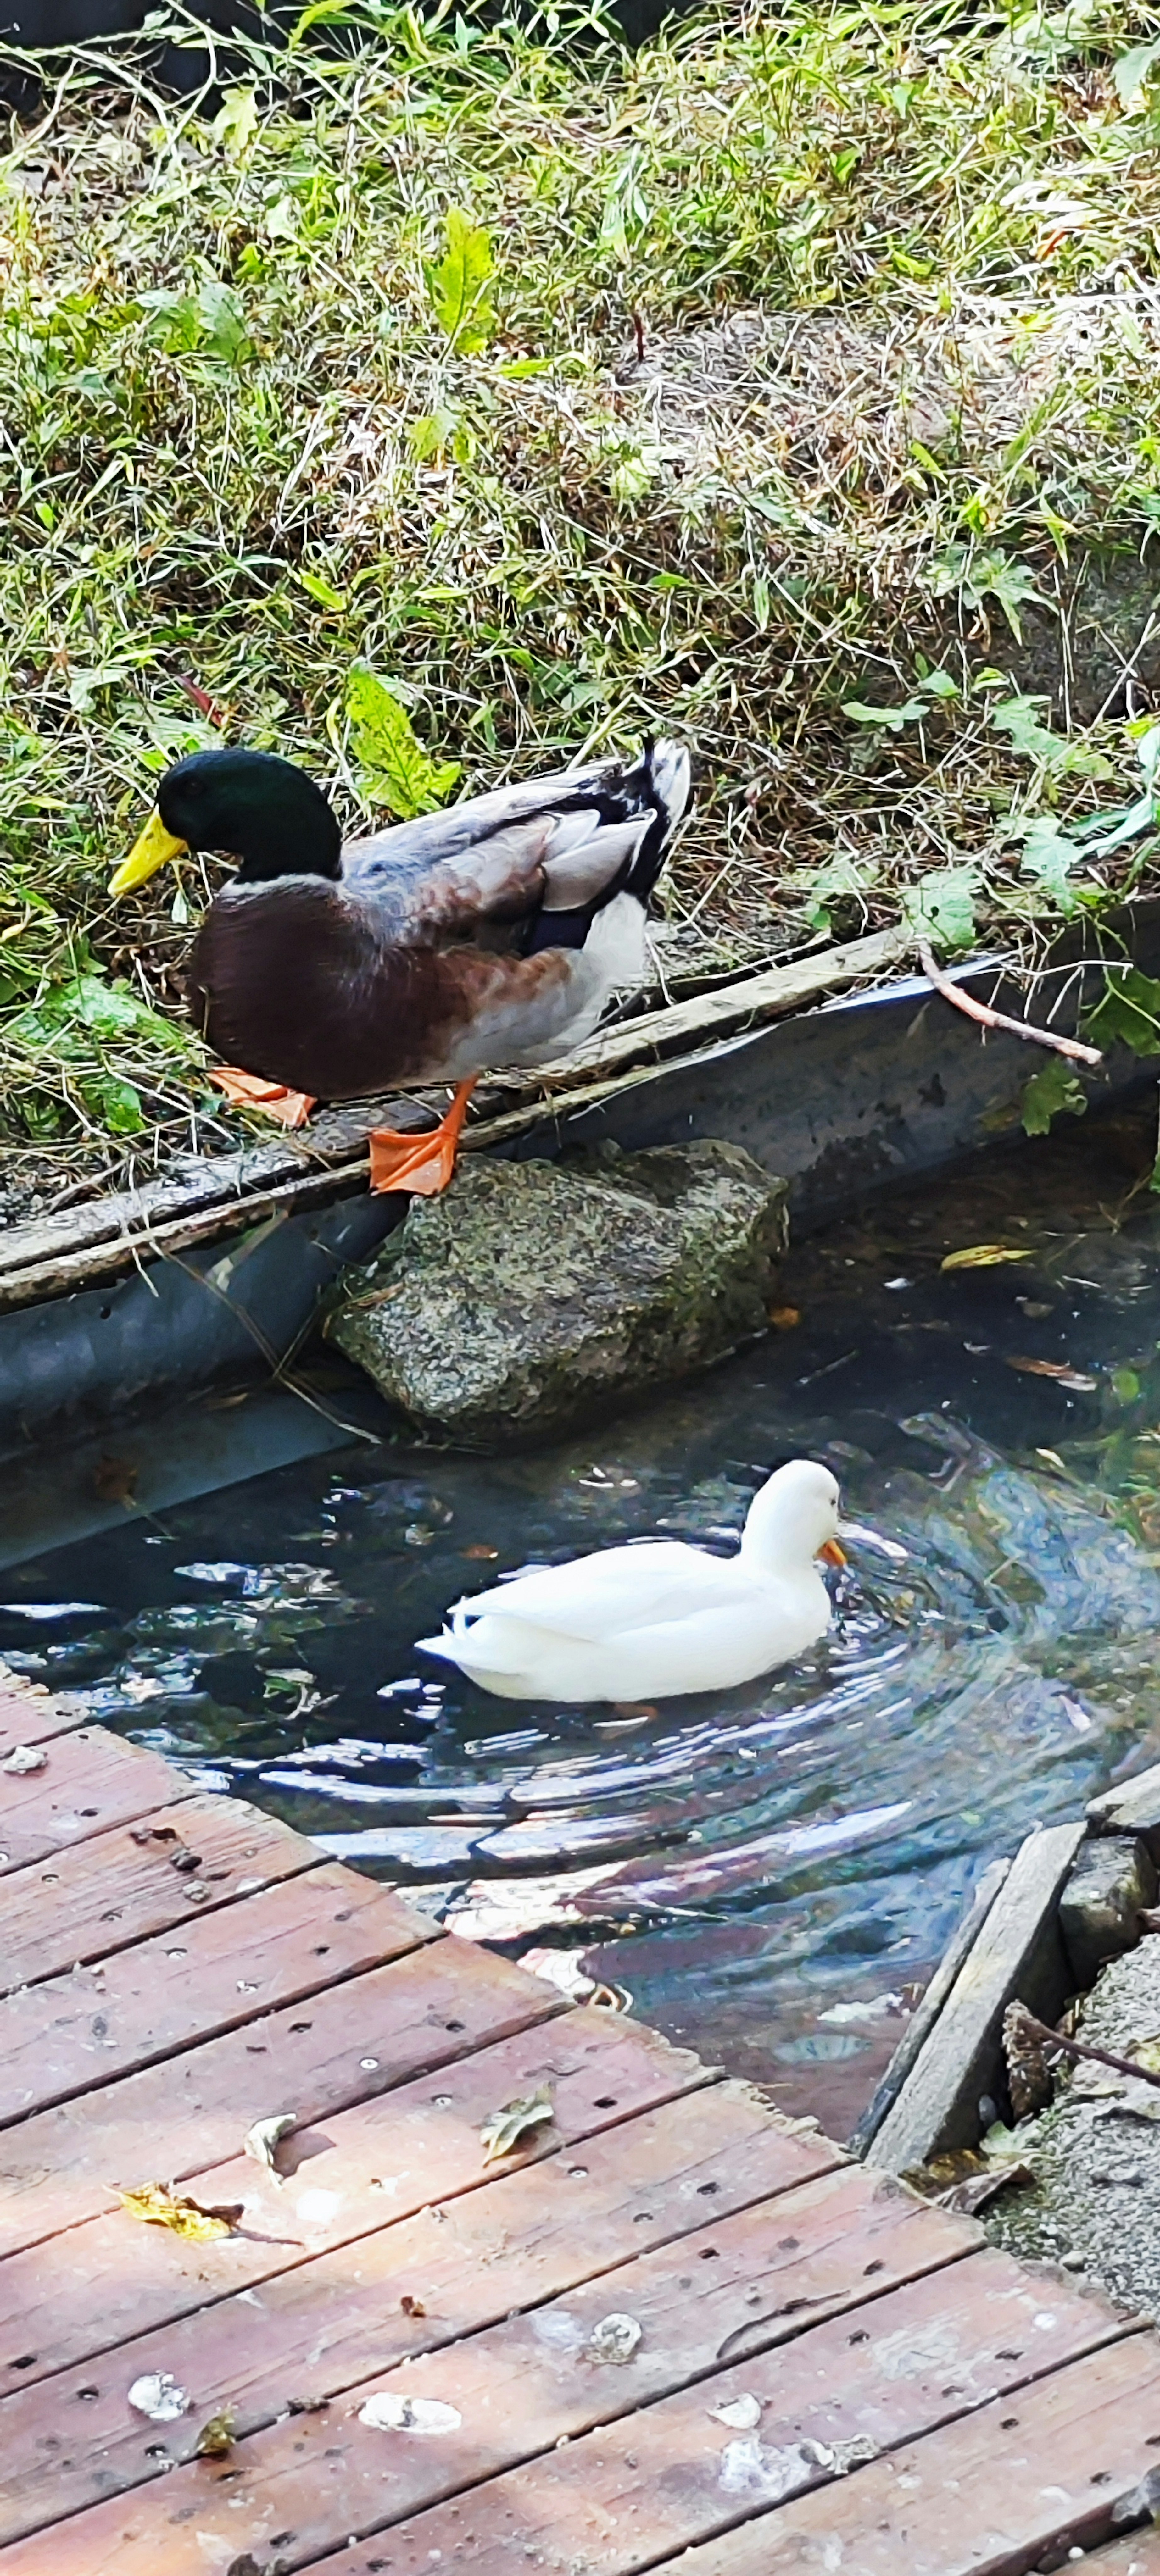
(399, 773)
(941, 907)
(611, 461)
(458, 285)
(210, 322)
(79, 1036)
(979, 575)
(1049, 855)
(1052, 1089)
(1128, 1011)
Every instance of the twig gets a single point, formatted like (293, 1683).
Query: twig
(1030, 2028)
(989, 1019)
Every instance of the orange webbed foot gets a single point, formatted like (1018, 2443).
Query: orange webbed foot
(251, 1091)
(421, 1164)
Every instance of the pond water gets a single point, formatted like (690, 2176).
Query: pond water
(770, 1873)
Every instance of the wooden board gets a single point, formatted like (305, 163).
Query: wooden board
(212, 1973)
(421, 2147)
(790, 2311)
(90, 1781)
(384, 2161)
(1139, 2555)
(86, 1902)
(990, 2496)
(29, 1716)
(343, 2046)
(611, 2500)
(1017, 1952)
(333, 2321)
(674, 2472)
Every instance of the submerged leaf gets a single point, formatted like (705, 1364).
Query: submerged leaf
(985, 1256)
(1062, 1372)
(504, 2129)
(156, 2206)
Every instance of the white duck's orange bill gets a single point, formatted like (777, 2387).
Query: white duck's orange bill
(832, 1554)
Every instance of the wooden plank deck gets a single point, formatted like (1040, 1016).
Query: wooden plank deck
(670, 2326)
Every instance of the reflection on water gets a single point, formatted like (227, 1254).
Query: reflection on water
(770, 1872)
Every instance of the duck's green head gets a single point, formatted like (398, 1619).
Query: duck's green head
(248, 804)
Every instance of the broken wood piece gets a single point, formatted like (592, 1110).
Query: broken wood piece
(1018, 1952)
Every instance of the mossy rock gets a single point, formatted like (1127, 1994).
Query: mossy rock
(533, 1296)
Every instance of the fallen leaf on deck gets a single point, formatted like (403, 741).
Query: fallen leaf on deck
(157, 2206)
(216, 2437)
(390, 2414)
(412, 2307)
(260, 2141)
(158, 2396)
(502, 2130)
(24, 1757)
(977, 2189)
(1062, 1372)
(614, 2339)
(741, 2414)
(985, 1256)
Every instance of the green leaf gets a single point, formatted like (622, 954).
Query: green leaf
(1017, 717)
(843, 876)
(321, 590)
(989, 574)
(107, 1097)
(458, 285)
(236, 122)
(428, 436)
(1125, 1385)
(1133, 70)
(1048, 857)
(400, 773)
(1128, 1010)
(211, 322)
(941, 907)
(892, 719)
(1050, 1090)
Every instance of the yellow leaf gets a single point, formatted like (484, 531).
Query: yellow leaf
(156, 2206)
(984, 1256)
(217, 2437)
(506, 2128)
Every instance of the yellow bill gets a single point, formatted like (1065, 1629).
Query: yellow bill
(150, 851)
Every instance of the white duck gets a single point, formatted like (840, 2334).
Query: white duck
(657, 1618)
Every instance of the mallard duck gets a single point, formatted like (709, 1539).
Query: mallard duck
(493, 933)
(657, 1618)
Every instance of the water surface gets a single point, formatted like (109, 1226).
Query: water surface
(772, 1872)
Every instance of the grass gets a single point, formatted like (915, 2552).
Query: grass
(764, 386)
